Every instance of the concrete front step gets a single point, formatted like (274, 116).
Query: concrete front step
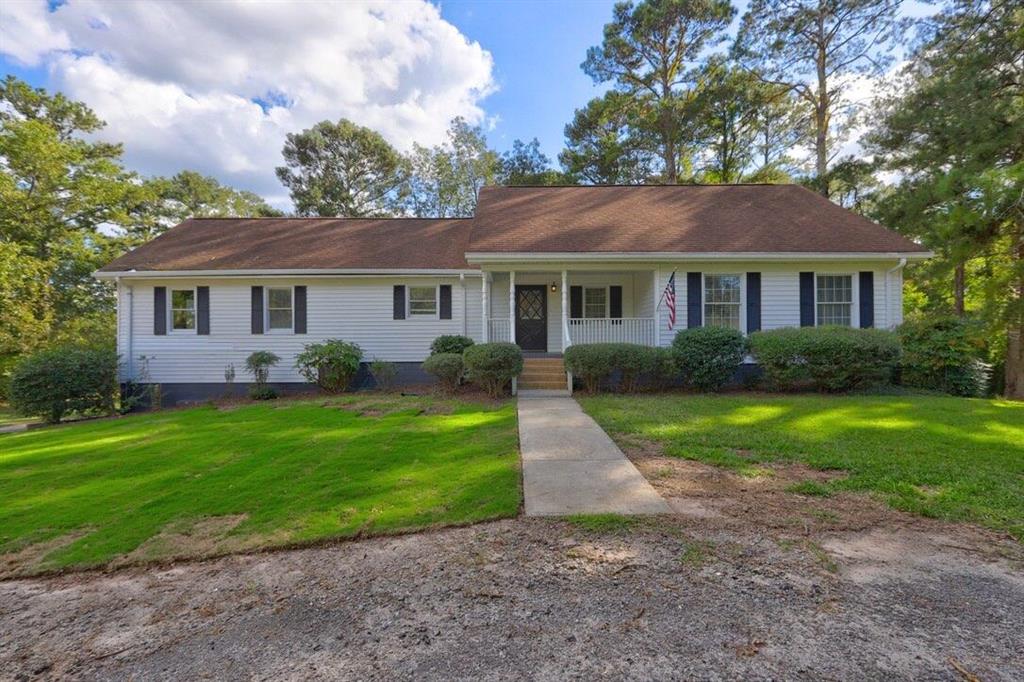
(542, 393)
(537, 374)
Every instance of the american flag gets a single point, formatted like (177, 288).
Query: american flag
(670, 300)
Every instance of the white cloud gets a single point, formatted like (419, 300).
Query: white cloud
(216, 86)
(25, 32)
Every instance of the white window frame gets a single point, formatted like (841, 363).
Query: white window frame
(409, 315)
(170, 311)
(854, 297)
(607, 302)
(743, 297)
(266, 311)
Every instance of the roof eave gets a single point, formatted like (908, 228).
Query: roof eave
(287, 272)
(480, 257)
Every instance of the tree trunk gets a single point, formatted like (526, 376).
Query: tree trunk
(959, 286)
(1015, 332)
(821, 113)
(1014, 364)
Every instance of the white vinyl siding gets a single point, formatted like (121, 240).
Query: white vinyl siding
(354, 309)
(780, 291)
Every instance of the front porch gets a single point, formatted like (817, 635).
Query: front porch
(546, 311)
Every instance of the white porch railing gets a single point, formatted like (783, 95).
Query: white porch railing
(607, 330)
(497, 329)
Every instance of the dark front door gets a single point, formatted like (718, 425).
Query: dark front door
(532, 317)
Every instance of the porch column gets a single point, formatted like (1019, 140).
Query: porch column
(565, 310)
(484, 301)
(512, 306)
(657, 299)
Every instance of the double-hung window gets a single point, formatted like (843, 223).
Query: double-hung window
(595, 302)
(722, 301)
(423, 301)
(183, 309)
(834, 295)
(279, 308)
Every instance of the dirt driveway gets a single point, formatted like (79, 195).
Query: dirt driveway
(745, 581)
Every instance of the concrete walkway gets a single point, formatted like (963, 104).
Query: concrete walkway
(571, 466)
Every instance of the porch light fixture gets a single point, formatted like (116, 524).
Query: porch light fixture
(554, 287)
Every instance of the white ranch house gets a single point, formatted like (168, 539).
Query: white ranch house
(545, 267)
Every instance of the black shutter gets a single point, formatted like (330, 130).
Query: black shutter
(257, 310)
(694, 292)
(203, 310)
(446, 301)
(398, 302)
(159, 310)
(806, 299)
(300, 310)
(753, 302)
(575, 302)
(615, 301)
(867, 299)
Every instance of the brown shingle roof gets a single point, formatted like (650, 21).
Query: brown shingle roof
(638, 219)
(673, 218)
(303, 243)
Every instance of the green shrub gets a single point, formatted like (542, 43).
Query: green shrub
(779, 353)
(493, 365)
(592, 363)
(827, 358)
(53, 382)
(258, 364)
(331, 365)
(448, 368)
(384, 373)
(633, 361)
(708, 357)
(943, 354)
(452, 343)
(663, 371)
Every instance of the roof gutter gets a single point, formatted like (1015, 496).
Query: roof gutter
(286, 272)
(634, 256)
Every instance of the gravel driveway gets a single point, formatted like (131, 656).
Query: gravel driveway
(736, 584)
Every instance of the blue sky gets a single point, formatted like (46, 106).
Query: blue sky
(538, 48)
(216, 86)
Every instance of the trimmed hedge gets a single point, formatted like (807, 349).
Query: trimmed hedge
(594, 363)
(708, 357)
(493, 365)
(450, 343)
(331, 365)
(943, 354)
(53, 382)
(447, 367)
(827, 358)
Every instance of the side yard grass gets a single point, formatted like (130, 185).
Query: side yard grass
(945, 457)
(206, 481)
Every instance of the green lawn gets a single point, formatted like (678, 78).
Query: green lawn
(204, 481)
(952, 458)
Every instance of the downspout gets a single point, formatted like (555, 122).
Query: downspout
(128, 340)
(888, 300)
(465, 305)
